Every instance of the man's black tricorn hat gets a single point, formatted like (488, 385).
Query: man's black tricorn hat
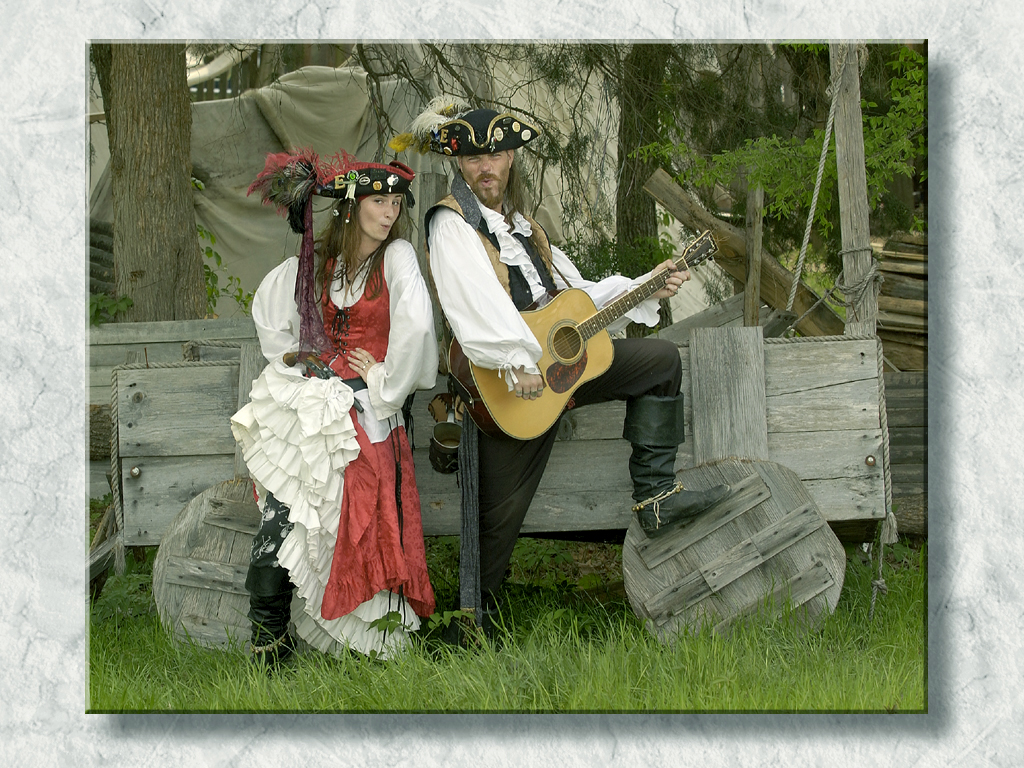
(451, 128)
(481, 132)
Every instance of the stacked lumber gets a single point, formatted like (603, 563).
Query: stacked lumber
(903, 301)
(906, 405)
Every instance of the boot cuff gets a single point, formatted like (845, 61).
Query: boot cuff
(654, 420)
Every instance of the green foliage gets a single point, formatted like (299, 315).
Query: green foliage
(213, 267)
(105, 309)
(785, 161)
(598, 256)
(128, 596)
(389, 622)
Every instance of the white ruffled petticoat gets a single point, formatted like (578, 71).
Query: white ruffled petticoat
(297, 437)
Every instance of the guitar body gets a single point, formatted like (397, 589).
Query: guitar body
(567, 361)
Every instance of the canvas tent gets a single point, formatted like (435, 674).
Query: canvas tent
(326, 109)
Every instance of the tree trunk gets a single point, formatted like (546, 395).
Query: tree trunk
(157, 261)
(643, 73)
(636, 224)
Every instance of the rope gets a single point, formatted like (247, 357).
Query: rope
(115, 478)
(856, 290)
(852, 293)
(833, 89)
(188, 348)
(888, 532)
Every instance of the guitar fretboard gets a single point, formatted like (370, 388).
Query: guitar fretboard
(702, 248)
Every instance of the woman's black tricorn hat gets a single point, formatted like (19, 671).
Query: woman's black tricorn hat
(451, 128)
(352, 178)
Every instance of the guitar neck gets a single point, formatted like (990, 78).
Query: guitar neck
(627, 301)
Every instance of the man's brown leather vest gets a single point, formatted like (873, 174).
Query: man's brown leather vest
(539, 241)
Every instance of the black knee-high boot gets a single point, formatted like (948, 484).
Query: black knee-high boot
(270, 610)
(270, 588)
(654, 425)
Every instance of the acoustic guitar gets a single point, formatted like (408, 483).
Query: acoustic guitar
(576, 348)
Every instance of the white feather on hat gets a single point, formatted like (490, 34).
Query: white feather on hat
(439, 111)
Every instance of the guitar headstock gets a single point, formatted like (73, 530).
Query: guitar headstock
(701, 249)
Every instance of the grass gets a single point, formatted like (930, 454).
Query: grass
(570, 643)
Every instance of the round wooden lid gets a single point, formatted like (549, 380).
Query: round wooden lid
(200, 568)
(766, 547)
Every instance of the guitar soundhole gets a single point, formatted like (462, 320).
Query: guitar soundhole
(566, 343)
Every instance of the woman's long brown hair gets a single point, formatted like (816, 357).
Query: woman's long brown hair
(338, 246)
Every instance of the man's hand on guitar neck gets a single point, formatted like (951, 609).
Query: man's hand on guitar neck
(528, 386)
(675, 279)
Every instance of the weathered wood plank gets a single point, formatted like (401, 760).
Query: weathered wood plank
(902, 321)
(910, 474)
(241, 516)
(683, 595)
(848, 498)
(172, 330)
(908, 445)
(802, 366)
(210, 632)
(821, 455)
(100, 559)
(728, 567)
(852, 180)
(820, 320)
(903, 287)
(206, 574)
(157, 342)
(906, 417)
(199, 570)
(586, 487)
(800, 589)
(904, 268)
(727, 381)
(176, 411)
(725, 314)
(906, 379)
(744, 560)
(251, 363)
(754, 229)
(902, 305)
(102, 358)
(164, 486)
(853, 405)
(738, 561)
(745, 494)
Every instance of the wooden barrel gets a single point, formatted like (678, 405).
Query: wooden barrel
(765, 547)
(200, 567)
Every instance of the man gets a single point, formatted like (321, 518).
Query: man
(489, 261)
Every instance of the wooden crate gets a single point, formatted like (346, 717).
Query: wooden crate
(112, 344)
(820, 401)
(172, 426)
(821, 404)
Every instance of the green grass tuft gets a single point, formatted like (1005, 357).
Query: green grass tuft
(569, 642)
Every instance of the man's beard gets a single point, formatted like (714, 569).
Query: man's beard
(492, 196)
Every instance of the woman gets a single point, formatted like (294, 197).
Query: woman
(348, 332)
